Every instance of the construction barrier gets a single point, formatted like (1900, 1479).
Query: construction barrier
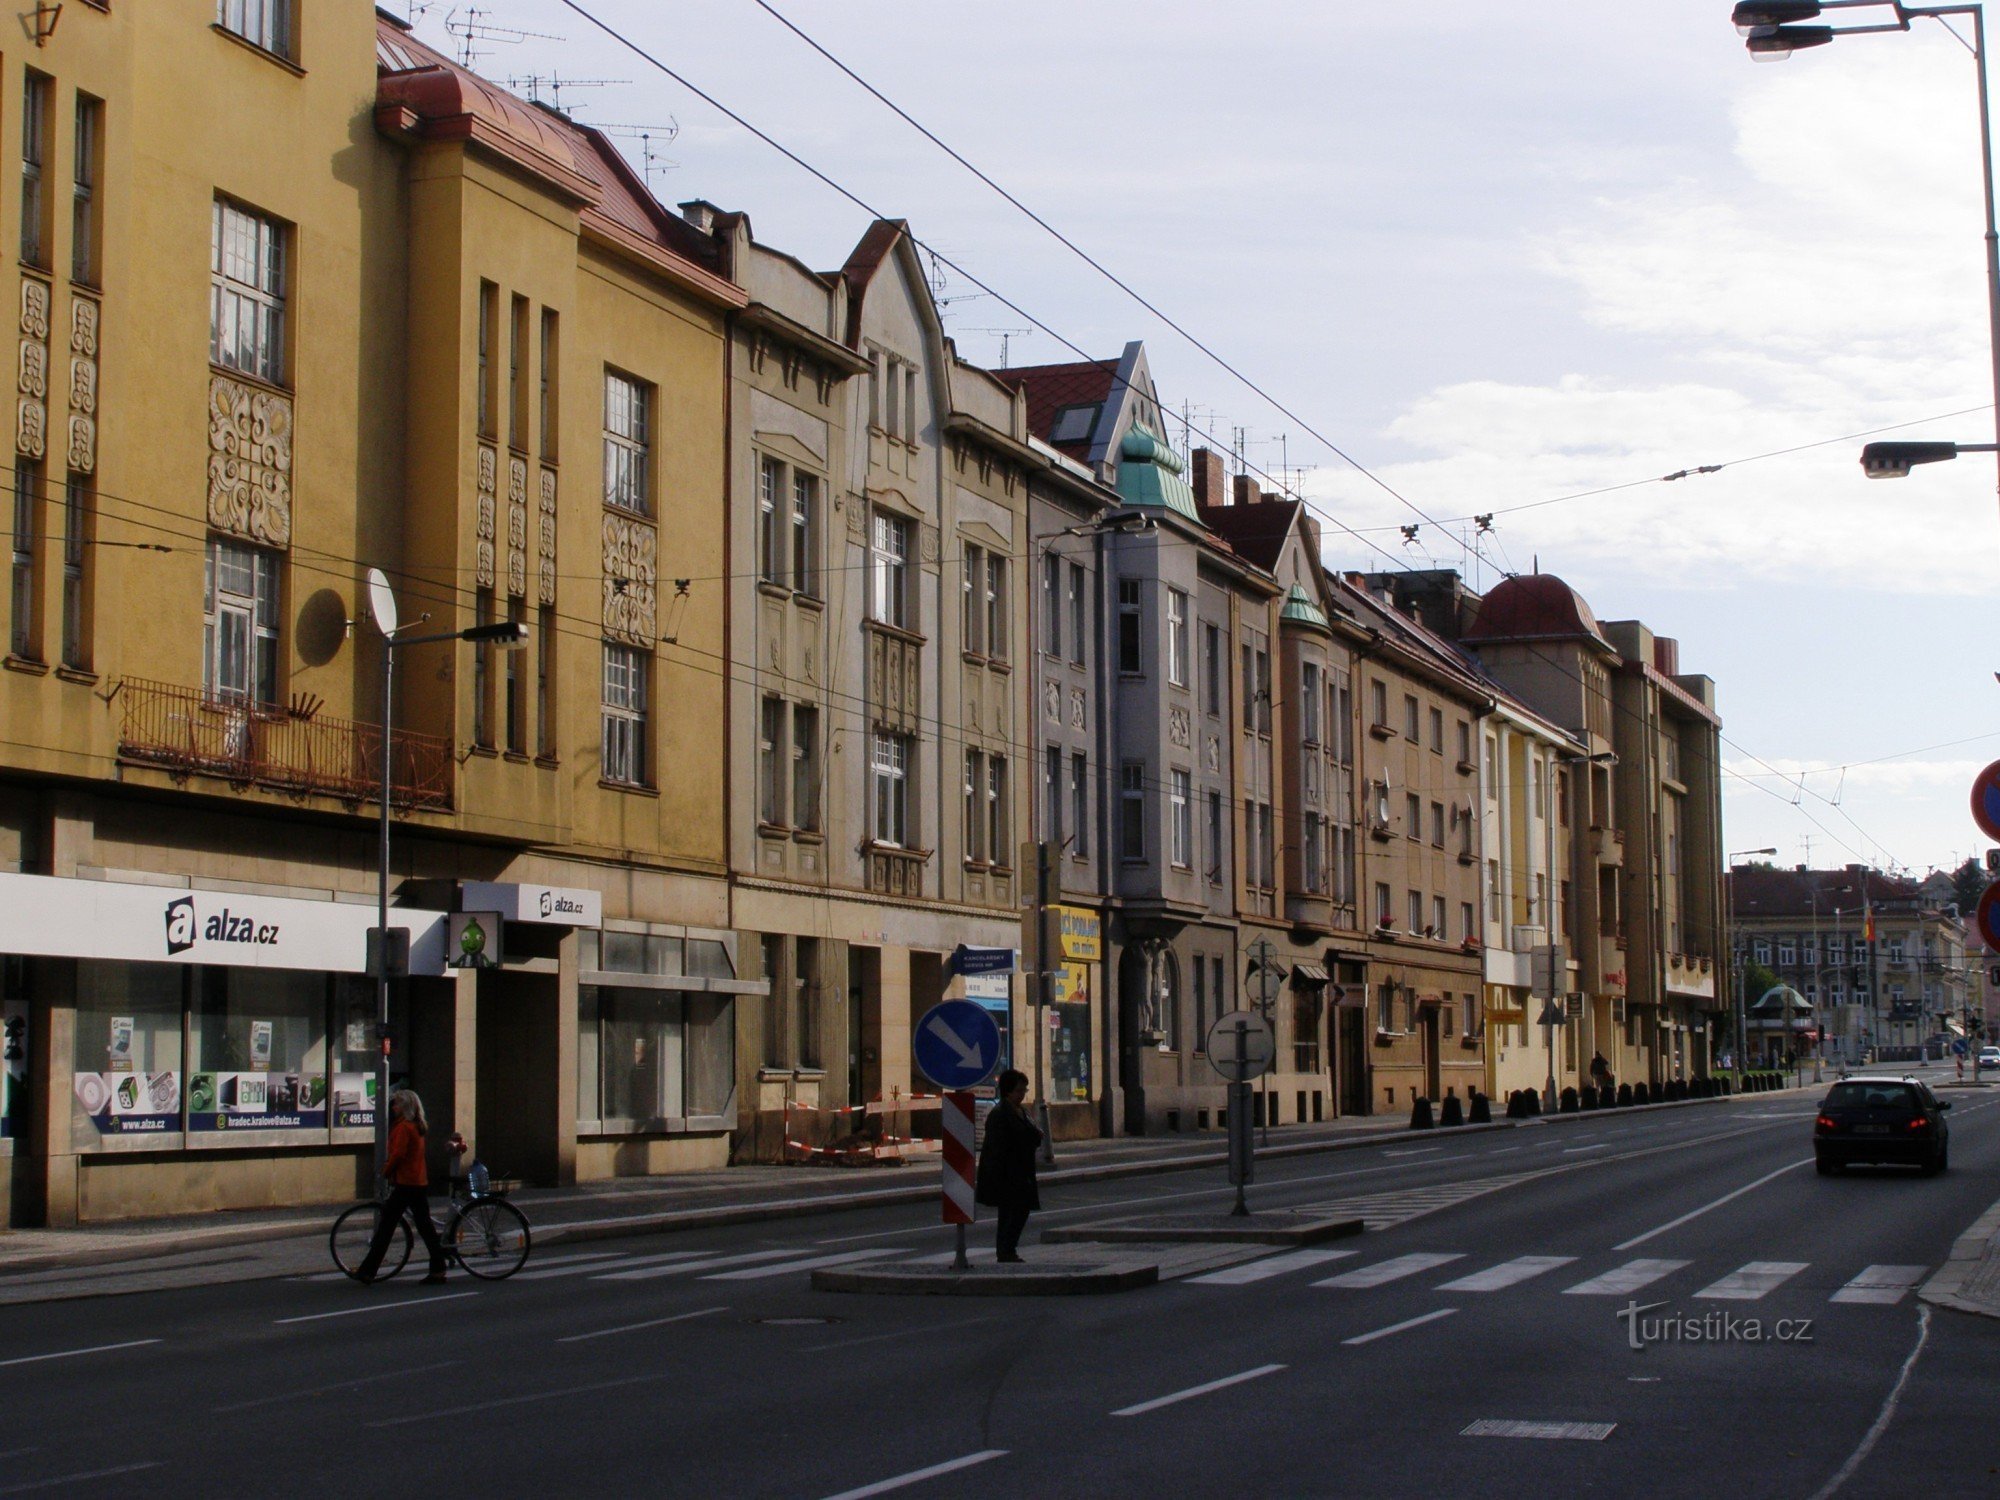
(882, 1132)
(958, 1158)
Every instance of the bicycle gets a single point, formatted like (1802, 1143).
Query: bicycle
(482, 1233)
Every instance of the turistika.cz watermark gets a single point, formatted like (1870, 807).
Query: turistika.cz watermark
(1646, 1325)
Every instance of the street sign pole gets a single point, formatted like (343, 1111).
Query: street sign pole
(1240, 1047)
(1261, 955)
(1045, 962)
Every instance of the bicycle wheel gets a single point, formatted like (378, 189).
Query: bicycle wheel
(490, 1239)
(354, 1230)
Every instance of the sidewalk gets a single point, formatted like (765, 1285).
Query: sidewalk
(1970, 1281)
(655, 1205)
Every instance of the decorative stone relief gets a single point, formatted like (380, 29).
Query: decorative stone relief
(928, 543)
(32, 422)
(517, 526)
(1179, 729)
(249, 461)
(547, 554)
(808, 663)
(1076, 708)
(857, 520)
(630, 585)
(1211, 754)
(488, 504)
(1052, 702)
(83, 324)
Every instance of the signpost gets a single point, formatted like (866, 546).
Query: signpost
(1264, 978)
(957, 1045)
(959, 1209)
(1241, 1047)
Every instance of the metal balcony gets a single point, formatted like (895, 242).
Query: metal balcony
(187, 733)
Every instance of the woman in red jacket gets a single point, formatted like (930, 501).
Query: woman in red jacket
(409, 1187)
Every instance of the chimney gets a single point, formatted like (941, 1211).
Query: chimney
(700, 214)
(1666, 656)
(1247, 492)
(1210, 478)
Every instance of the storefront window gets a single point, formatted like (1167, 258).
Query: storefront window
(353, 1046)
(257, 1050)
(13, 1047)
(646, 1056)
(127, 1057)
(711, 1053)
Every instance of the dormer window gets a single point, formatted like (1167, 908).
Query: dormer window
(1074, 424)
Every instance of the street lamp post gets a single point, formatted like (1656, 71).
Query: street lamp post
(510, 635)
(1735, 955)
(1770, 30)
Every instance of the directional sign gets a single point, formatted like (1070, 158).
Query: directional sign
(1986, 916)
(966, 960)
(957, 1044)
(1986, 801)
(1240, 1046)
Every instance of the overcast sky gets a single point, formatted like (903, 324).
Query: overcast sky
(1499, 255)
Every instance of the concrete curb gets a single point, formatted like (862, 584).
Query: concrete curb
(670, 1221)
(988, 1281)
(1968, 1251)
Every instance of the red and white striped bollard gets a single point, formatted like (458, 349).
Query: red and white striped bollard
(959, 1165)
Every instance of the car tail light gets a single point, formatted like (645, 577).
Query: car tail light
(1824, 1125)
(1920, 1123)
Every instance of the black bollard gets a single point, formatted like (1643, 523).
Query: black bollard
(1588, 1096)
(1531, 1100)
(1569, 1104)
(1482, 1109)
(1624, 1095)
(1642, 1092)
(1420, 1115)
(1453, 1112)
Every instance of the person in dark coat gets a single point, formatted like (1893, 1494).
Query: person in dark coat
(1006, 1178)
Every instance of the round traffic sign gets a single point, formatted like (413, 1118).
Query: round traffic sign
(1986, 916)
(1986, 801)
(957, 1044)
(1241, 1046)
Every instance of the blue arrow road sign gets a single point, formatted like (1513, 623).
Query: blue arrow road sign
(967, 960)
(957, 1044)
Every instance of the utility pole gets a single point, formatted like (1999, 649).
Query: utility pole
(1048, 887)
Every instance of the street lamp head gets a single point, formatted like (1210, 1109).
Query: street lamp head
(1776, 43)
(509, 635)
(1895, 460)
(1754, 16)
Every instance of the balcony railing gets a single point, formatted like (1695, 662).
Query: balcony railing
(188, 733)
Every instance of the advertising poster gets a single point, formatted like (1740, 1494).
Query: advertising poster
(472, 939)
(128, 1103)
(353, 1099)
(256, 1101)
(118, 1048)
(260, 1045)
(13, 1067)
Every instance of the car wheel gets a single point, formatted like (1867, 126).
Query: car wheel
(1825, 1166)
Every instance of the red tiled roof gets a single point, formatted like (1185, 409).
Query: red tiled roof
(1256, 532)
(1051, 388)
(1533, 606)
(1762, 891)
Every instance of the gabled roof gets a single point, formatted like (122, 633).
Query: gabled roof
(1053, 389)
(1257, 532)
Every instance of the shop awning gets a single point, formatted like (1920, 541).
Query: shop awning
(1954, 1027)
(1308, 974)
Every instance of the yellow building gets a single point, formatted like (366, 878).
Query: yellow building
(450, 336)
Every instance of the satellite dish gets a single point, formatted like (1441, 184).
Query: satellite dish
(381, 602)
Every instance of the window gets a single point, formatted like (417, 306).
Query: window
(482, 673)
(996, 607)
(1248, 687)
(1437, 824)
(1211, 667)
(1177, 638)
(1414, 909)
(972, 601)
(1378, 704)
(25, 641)
(1385, 1007)
(517, 375)
(975, 792)
(1413, 816)
(805, 767)
(34, 155)
(1466, 930)
(266, 23)
(1076, 613)
(1214, 837)
(774, 1011)
(770, 556)
(770, 778)
(545, 684)
(1267, 849)
(1263, 691)
(627, 412)
(627, 673)
(1183, 824)
(1315, 856)
(1409, 718)
(1464, 743)
(1132, 810)
(1760, 950)
(79, 520)
(1437, 928)
(240, 624)
(997, 840)
(1218, 991)
(489, 314)
(1493, 890)
(889, 566)
(1787, 952)
(1130, 661)
(514, 706)
(646, 1056)
(1200, 999)
(246, 324)
(1309, 704)
(805, 533)
(551, 402)
(1492, 765)
(83, 240)
(1384, 913)
(1052, 795)
(1437, 730)
(1079, 796)
(805, 1001)
(890, 759)
(1052, 619)
(1168, 1013)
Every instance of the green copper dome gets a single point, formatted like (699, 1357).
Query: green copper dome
(1300, 607)
(1149, 473)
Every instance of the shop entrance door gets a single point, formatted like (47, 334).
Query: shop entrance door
(1352, 1059)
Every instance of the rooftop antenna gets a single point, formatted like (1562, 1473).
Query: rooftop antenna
(1006, 336)
(533, 84)
(473, 29)
(646, 136)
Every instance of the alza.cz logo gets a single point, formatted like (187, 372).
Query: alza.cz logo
(556, 905)
(185, 928)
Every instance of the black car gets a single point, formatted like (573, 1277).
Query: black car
(1881, 1119)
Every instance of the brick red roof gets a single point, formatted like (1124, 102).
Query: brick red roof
(1051, 388)
(1533, 606)
(1256, 532)
(1763, 891)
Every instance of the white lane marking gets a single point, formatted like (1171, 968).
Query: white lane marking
(1752, 1281)
(1886, 1285)
(1623, 1280)
(620, 1262)
(577, 1338)
(1390, 1270)
(1641, 1239)
(1271, 1265)
(918, 1476)
(49, 1484)
(1887, 1415)
(349, 1312)
(1197, 1390)
(1415, 1151)
(1508, 1273)
(1600, 1146)
(811, 1263)
(1502, 1151)
(1588, 1432)
(568, 1390)
(326, 1390)
(679, 1268)
(1383, 1333)
(35, 1359)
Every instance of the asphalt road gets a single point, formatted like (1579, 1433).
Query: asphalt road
(1492, 1287)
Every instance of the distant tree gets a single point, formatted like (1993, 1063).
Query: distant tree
(1758, 981)
(1968, 884)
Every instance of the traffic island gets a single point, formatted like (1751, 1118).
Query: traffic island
(991, 1280)
(1247, 1229)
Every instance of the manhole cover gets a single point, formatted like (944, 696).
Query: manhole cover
(793, 1322)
